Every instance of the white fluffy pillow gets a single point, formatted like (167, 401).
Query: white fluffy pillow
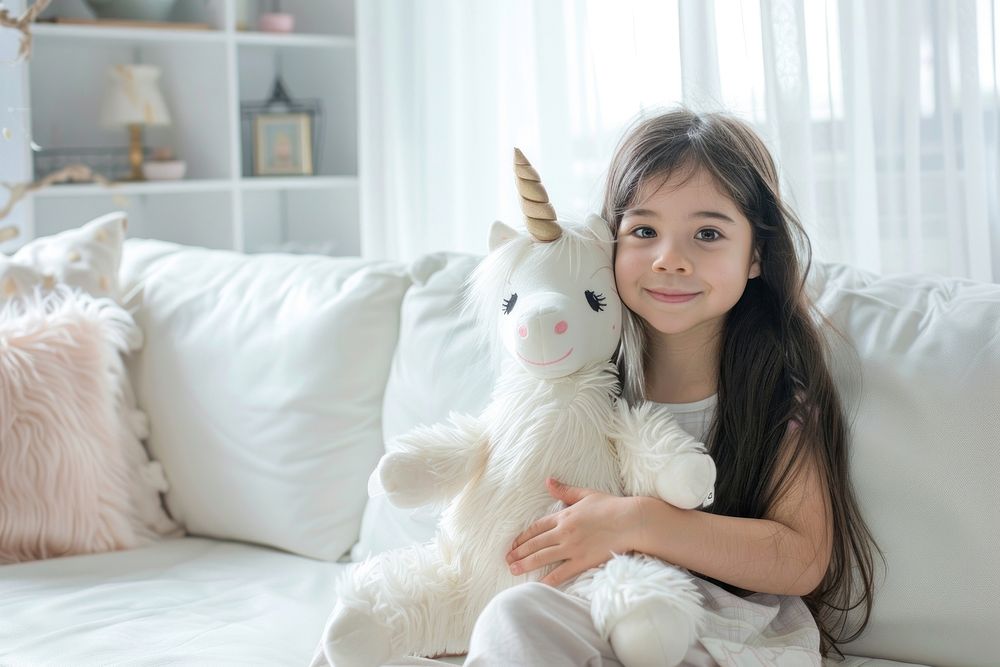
(263, 377)
(440, 366)
(64, 476)
(88, 258)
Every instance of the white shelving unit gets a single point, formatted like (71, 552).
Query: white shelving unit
(205, 75)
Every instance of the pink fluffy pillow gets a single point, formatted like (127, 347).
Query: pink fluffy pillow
(64, 480)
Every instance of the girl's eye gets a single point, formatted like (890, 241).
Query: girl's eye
(714, 235)
(596, 301)
(644, 232)
(508, 304)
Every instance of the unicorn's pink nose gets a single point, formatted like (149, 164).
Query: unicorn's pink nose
(522, 331)
(561, 327)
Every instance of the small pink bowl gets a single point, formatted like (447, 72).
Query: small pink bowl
(276, 22)
(164, 170)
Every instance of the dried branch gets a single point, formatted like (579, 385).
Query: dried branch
(22, 24)
(73, 172)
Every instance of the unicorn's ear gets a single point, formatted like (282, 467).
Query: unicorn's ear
(501, 234)
(601, 228)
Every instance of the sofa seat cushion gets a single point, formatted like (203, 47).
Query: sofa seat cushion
(186, 601)
(181, 601)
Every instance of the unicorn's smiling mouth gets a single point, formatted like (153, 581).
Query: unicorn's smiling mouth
(544, 363)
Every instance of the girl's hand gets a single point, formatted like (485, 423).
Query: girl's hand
(585, 534)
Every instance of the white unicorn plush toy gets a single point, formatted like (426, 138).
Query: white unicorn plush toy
(549, 297)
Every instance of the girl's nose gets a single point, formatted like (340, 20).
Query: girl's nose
(670, 259)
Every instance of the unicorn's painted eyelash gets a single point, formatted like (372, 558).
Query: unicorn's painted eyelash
(508, 304)
(596, 301)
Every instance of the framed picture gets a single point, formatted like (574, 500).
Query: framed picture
(282, 144)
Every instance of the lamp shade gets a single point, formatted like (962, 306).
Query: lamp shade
(133, 97)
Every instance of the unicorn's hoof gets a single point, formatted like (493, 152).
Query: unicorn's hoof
(354, 639)
(653, 635)
(688, 482)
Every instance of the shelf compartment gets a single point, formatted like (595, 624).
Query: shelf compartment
(189, 218)
(307, 221)
(311, 17)
(210, 12)
(326, 75)
(73, 68)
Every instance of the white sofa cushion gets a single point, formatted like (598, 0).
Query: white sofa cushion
(187, 601)
(263, 377)
(439, 366)
(924, 455)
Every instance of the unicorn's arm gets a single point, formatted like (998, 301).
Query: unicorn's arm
(659, 459)
(433, 463)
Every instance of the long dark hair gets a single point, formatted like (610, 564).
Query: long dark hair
(773, 367)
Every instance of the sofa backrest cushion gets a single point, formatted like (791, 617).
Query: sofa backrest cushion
(262, 376)
(925, 455)
(440, 366)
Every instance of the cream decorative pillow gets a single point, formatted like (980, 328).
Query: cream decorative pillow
(88, 258)
(64, 478)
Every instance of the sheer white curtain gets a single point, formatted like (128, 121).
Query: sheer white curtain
(884, 116)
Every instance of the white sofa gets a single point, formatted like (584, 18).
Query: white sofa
(271, 380)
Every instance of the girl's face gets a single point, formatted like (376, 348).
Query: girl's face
(685, 254)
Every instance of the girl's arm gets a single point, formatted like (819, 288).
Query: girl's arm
(787, 553)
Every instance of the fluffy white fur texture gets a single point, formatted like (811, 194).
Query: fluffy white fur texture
(64, 474)
(424, 600)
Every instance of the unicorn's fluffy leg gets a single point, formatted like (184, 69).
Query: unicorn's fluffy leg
(649, 610)
(398, 603)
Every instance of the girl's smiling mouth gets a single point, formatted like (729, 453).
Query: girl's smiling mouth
(668, 297)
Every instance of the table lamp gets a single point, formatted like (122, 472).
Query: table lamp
(133, 99)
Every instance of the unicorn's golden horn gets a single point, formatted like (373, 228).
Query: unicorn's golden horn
(539, 216)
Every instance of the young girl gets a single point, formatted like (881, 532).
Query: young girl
(718, 326)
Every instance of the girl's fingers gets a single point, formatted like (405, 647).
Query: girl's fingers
(564, 572)
(566, 493)
(537, 528)
(536, 543)
(540, 558)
